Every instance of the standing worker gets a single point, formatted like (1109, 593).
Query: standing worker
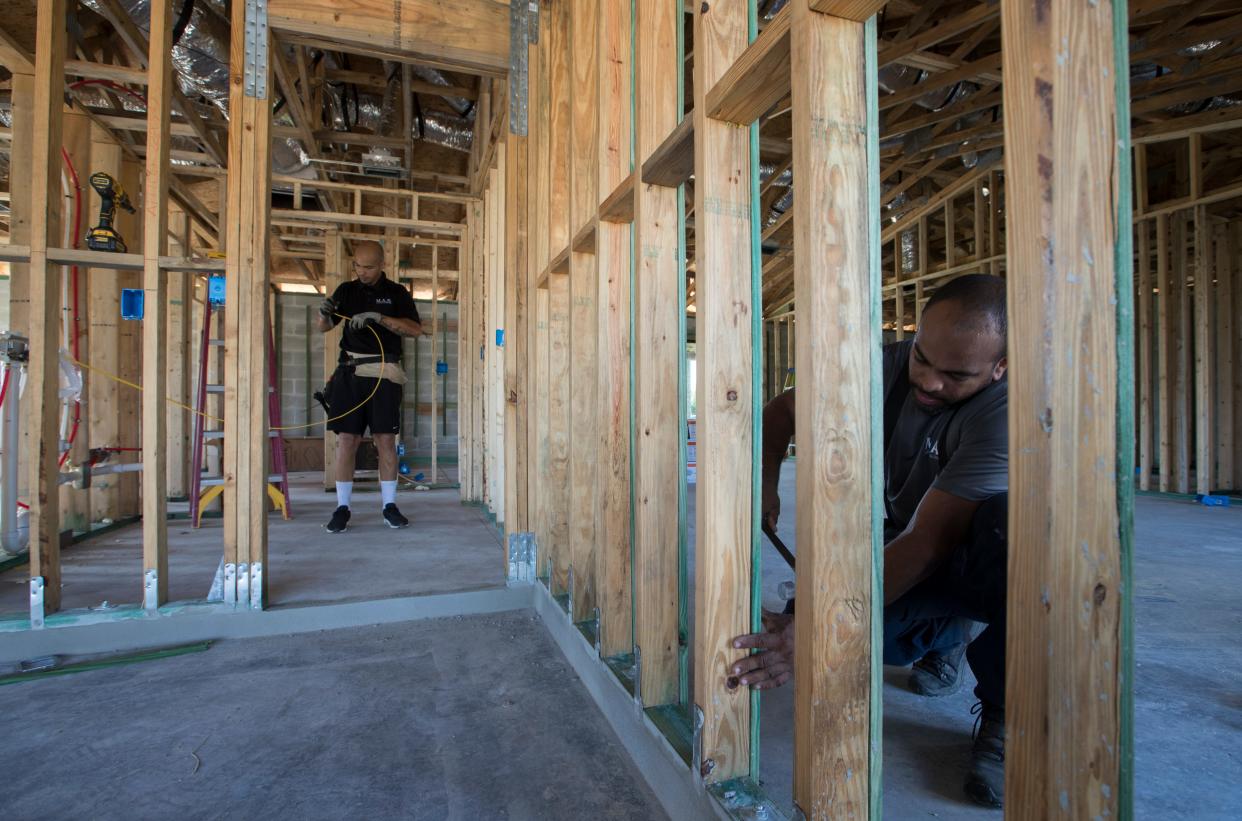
(365, 390)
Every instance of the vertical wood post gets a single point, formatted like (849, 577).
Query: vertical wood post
(612, 255)
(725, 335)
(247, 450)
(179, 321)
(1070, 408)
(333, 276)
(44, 316)
(584, 318)
(1226, 363)
(103, 313)
(517, 396)
(837, 280)
(1165, 306)
(657, 351)
(1205, 452)
(155, 316)
(1145, 387)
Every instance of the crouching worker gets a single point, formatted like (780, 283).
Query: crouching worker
(365, 391)
(946, 482)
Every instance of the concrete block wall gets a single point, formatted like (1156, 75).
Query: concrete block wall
(297, 339)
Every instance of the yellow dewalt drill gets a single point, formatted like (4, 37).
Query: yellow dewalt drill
(104, 236)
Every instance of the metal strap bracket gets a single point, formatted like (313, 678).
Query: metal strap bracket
(36, 603)
(151, 590)
(256, 586)
(256, 49)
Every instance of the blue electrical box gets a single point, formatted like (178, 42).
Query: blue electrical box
(441, 367)
(215, 290)
(131, 303)
(500, 337)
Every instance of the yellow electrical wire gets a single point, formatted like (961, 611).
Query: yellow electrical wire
(214, 418)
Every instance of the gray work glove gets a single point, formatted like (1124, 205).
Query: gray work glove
(362, 320)
(327, 309)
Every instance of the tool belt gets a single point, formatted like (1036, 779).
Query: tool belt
(372, 367)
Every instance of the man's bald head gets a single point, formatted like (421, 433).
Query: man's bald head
(959, 348)
(368, 261)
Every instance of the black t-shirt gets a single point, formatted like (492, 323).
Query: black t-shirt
(975, 433)
(385, 297)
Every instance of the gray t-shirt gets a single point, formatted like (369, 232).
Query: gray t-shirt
(976, 464)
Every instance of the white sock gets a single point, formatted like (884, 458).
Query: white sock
(343, 491)
(388, 490)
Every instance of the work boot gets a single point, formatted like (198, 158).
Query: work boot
(985, 781)
(939, 673)
(339, 521)
(393, 517)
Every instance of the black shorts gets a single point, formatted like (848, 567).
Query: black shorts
(347, 394)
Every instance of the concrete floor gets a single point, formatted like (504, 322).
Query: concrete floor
(468, 719)
(448, 547)
(1188, 701)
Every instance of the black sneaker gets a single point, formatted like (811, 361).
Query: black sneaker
(393, 517)
(938, 673)
(339, 521)
(985, 781)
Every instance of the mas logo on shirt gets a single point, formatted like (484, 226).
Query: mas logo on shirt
(383, 301)
(931, 447)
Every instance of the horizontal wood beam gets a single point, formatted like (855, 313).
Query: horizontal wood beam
(938, 34)
(672, 162)
(757, 80)
(466, 35)
(619, 206)
(366, 219)
(379, 82)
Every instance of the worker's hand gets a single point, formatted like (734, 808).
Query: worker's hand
(327, 308)
(774, 664)
(362, 320)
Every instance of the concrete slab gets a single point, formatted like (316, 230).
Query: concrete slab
(464, 718)
(448, 547)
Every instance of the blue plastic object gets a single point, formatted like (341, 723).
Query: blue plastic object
(215, 290)
(500, 337)
(131, 303)
(418, 477)
(403, 469)
(441, 367)
(1212, 501)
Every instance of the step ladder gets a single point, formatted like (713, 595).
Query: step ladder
(204, 489)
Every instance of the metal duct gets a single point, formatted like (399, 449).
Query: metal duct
(462, 106)
(445, 129)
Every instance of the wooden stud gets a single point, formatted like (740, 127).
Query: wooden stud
(757, 80)
(333, 276)
(479, 360)
(435, 361)
(517, 302)
(1066, 670)
(612, 243)
(1145, 386)
(1165, 318)
(103, 317)
(74, 504)
(1226, 363)
(180, 425)
(555, 39)
(1205, 452)
(837, 585)
(246, 449)
(1235, 243)
(1181, 412)
(584, 314)
(155, 317)
(725, 343)
(44, 320)
(657, 353)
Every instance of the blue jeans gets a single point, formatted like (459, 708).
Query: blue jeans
(935, 615)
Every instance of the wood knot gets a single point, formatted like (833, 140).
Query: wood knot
(708, 765)
(704, 8)
(731, 396)
(1100, 593)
